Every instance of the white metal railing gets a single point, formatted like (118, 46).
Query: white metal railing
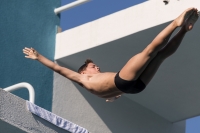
(23, 85)
(70, 5)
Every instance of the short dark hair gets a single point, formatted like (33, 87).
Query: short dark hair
(83, 67)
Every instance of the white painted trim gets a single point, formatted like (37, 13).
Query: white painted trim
(23, 85)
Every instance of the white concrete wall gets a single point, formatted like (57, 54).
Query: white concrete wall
(119, 24)
(128, 113)
(77, 105)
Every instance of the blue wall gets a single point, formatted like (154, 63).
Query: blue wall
(28, 23)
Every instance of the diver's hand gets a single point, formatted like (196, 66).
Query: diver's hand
(31, 53)
(113, 98)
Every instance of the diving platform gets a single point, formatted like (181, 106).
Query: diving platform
(20, 116)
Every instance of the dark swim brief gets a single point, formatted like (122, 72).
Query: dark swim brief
(132, 87)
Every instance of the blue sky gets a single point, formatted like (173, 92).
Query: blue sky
(193, 125)
(92, 10)
(98, 8)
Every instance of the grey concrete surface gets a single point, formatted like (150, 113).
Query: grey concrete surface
(8, 128)
(93, 113)
(174, 91)
(15, 118)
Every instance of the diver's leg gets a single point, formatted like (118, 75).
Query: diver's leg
(137, 64)
(168, 50)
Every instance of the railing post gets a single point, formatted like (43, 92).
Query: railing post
(70, 5)
(23, 85)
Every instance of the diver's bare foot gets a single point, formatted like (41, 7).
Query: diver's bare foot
(186, 14)
(189, 24)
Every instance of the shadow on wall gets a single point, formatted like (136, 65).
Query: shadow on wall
(113, 55)
(124, 115)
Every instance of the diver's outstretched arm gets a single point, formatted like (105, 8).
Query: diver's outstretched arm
(33, 54)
